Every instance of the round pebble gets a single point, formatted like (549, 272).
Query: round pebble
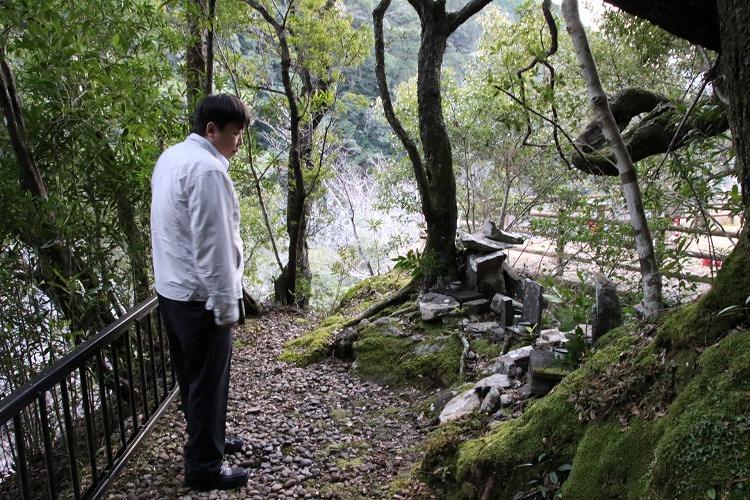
(294, 448)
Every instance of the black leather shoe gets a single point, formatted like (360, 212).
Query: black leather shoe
(233, 444)
(226, 479)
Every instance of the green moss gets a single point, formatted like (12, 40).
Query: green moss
(556, 370)
(340, 415)
(607, 351)
(313, 346)
(685, 326)
(705, 445)
(441, 449)
(491, 463)
(389, 412)
(697, 444)
(399, 361)
(699, 324)
(366, 292)
(357, 446)
(486, 349)
(349, 464)
(613, 462)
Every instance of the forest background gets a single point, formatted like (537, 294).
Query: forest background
(103, 87)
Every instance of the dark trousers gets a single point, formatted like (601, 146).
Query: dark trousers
(201, 353)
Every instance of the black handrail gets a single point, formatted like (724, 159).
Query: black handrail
(94, 405)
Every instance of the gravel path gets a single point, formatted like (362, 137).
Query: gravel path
(314, 432)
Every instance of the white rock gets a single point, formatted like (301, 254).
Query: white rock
(496, 380)
(461, 405)
(434, 305)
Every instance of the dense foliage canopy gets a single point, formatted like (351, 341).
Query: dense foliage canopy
(98, 96)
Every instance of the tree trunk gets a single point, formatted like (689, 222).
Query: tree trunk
(208, 81)
(436, 181)
(651, 278)
(731, 38)
(300, 162)
(195, 58)
(441, 211)
(734, 19)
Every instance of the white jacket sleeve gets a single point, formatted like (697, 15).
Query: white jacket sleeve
(211, 208)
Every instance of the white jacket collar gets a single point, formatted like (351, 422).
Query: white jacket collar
(206, 144)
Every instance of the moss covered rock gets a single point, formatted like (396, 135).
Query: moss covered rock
(426, 361)
(367, 292)
(314, 345)
(636, 421)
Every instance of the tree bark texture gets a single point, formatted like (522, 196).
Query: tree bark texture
(734, 66)
(195, 58)
(434, 174)
(441, 216)
(300, 162)
(659, 131)
(208, 81)
(651, 278)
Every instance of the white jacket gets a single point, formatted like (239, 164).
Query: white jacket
(195, 217)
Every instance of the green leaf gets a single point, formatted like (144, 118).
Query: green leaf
(552, 299)
(553, 477)
(727, 310)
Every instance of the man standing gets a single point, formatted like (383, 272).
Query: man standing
(198, 265)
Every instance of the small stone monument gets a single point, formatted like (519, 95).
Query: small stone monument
(533, 303)
(607, 312)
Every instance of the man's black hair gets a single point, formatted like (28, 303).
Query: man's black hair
(221, 109)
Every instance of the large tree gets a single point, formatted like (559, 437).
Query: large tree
(651, 278)
(313, 41)
(722, 26)
(432, 158)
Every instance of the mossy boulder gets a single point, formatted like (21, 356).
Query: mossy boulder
(638, 420)
(313, 346)
(367, 292)
(426, 361)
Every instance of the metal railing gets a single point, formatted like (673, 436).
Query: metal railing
(71, 430)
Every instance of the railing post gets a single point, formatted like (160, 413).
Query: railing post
(48, 458)
(21, 447)
(105, 408)
(71, 438)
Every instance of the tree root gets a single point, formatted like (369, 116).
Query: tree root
(252, 306)
(467, 347)
(397, 298)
